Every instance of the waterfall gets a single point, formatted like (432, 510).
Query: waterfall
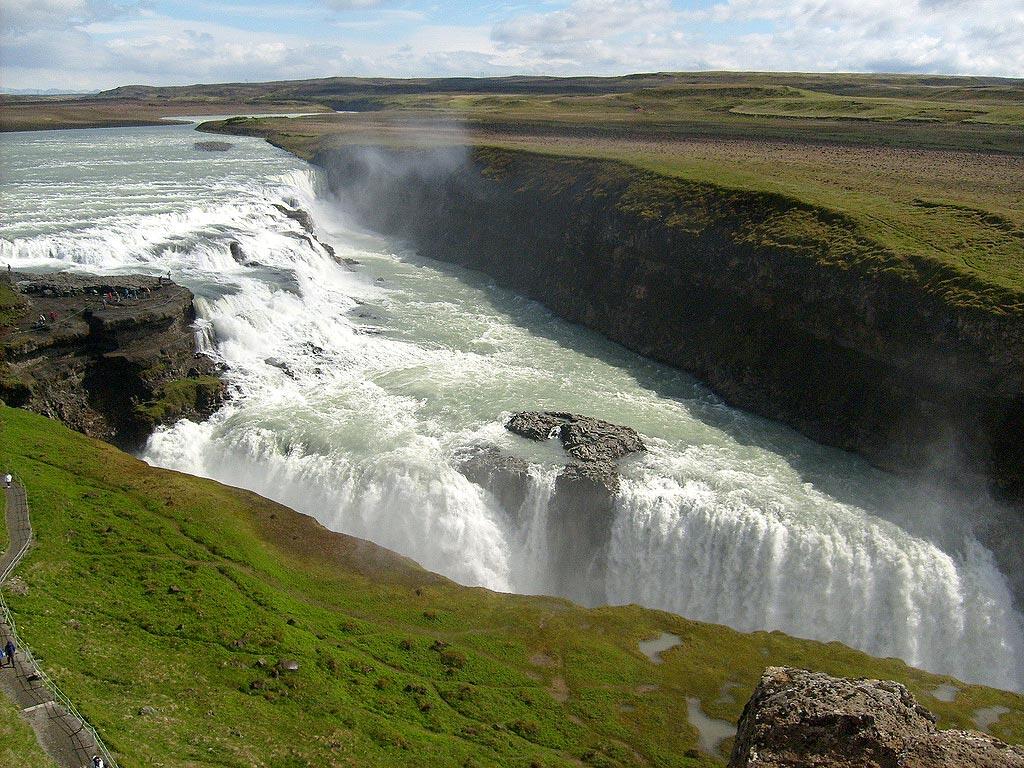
(356, 387)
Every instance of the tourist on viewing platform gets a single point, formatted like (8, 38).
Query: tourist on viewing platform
(9, 651)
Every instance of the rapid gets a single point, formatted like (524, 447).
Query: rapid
(358, 380)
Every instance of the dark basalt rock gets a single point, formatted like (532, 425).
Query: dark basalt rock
(238, 254)
(579, 529)
(586, 439)
(583, 505)
(306, 222)
(299, 215)
(809, 719)
(111, 357)
(504, 475)
(213, 146)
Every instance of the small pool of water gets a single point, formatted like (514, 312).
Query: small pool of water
(946, 692)
(986, 717)
(711, 731)
(653, 649)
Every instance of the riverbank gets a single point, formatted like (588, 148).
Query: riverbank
(36, 113)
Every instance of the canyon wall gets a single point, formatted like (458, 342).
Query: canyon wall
(784, 309)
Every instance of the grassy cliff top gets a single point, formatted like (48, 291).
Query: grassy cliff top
(164, 605)
(949, 220)
(39, 113)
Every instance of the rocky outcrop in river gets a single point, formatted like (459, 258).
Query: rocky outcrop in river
(581, 511)
(111, 357)
(587, 440)
(873, 352)
(809, 719)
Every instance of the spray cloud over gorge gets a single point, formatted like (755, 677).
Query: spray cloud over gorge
(359, 390)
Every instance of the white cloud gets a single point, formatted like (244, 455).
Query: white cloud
(27, 15)
(605, 36)
(586, 20)
(982, 37)
(351, 5)
(597, 37)
(101, 43)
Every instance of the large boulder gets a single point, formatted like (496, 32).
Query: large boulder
(109, 356)
(797, 718)
(585, 439)
(582, 508)
(579, 529)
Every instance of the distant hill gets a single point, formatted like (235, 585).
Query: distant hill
(334, 90)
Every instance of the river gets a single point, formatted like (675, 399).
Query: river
(356, 388)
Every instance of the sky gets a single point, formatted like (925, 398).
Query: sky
(96, 44)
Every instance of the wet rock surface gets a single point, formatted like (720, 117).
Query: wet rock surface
(213, 146)
(801, 718)
(297, 214)
(506, 476)
(585, 439)
(581, 509)
(110, 356)
(306, 222)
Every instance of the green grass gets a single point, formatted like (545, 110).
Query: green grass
(181, 396)
(968, 249)
(12, 305)
(18, 745)
(703, 101)
(148, 588)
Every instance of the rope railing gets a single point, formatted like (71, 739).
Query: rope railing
(38, 676)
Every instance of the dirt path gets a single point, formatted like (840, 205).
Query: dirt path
(62, 735)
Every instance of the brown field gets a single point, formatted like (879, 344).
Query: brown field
(34, 114)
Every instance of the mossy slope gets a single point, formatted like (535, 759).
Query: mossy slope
(162, 603)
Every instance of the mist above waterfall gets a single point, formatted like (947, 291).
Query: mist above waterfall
(357, 388)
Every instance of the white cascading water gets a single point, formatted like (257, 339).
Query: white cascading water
(355, 387)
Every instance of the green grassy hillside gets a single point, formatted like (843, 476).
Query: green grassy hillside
(163, 605)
